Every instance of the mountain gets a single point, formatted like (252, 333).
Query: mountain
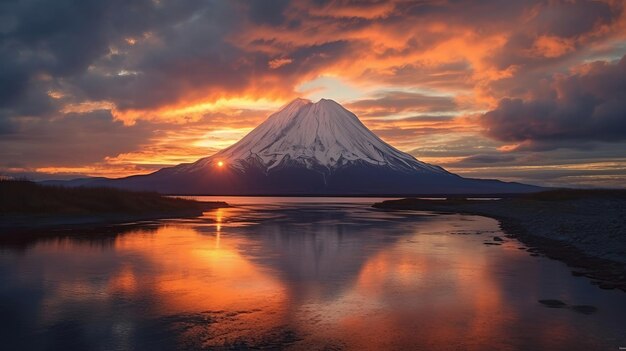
(310, 148)
(322, 137)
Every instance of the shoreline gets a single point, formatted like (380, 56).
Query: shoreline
(17, 227)
(597, 258)
(28, 209)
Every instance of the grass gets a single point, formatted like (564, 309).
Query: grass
(26, 197)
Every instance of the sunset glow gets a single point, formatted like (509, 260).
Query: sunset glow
(211, 288)
(462, 84)
(313, 174)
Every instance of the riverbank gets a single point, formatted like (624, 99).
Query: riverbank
(27, 206)
(584, 229)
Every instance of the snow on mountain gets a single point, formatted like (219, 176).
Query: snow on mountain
(309, 148)
(321, 136)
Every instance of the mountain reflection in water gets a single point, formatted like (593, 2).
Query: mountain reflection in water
(300, 276)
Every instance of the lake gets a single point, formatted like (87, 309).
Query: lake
(302, 274)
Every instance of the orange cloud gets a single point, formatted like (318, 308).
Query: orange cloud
(279, 62)
(551, 46)
(196, 78)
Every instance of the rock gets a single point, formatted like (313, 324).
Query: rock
(553, 303)
(584, 309)
(606, 286)
(585, 230)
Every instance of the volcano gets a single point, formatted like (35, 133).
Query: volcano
(310, 148)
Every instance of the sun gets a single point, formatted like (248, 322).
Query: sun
(220, 163)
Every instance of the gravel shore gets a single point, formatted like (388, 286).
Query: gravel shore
(586, 232)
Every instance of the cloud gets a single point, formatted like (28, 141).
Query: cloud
(486, 159)
(74, 140)
(182, 69)
(435, 75)
(150, 55)
(6, 126)
(573, 18)
(602, 166)
(351, 9)
(50, 40)
(399, 101)
(267, 12)
(553, 30)
(278, 62)
(588, 104)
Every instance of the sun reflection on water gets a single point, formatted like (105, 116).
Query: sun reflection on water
(300, 280)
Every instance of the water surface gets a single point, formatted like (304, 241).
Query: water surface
(300, 274)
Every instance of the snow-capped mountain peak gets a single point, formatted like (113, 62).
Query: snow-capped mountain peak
(309, 148)
(321, 136)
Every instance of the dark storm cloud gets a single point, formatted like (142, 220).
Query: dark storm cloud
(485, 11)
(589, 105)
(155, 55)
(74, 140)
(169, 74)
(6, 126)
(79, 48)
(267, 12)
(188, 58)
(573, 18)
(551, 177)
(600, 166)
(44, 42)
(555, 32)
(49, 40)
(139, 54)
(312, 57)
(196, 62)
(13, 77)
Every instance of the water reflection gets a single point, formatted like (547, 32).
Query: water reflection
(298, 276)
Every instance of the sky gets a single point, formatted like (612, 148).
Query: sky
(530, 91)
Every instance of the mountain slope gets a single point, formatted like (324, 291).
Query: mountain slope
(322, 136)
(311, 148)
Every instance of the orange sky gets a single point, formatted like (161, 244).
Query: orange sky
(515, 90)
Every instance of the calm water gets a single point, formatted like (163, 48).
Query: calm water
(276, 273)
